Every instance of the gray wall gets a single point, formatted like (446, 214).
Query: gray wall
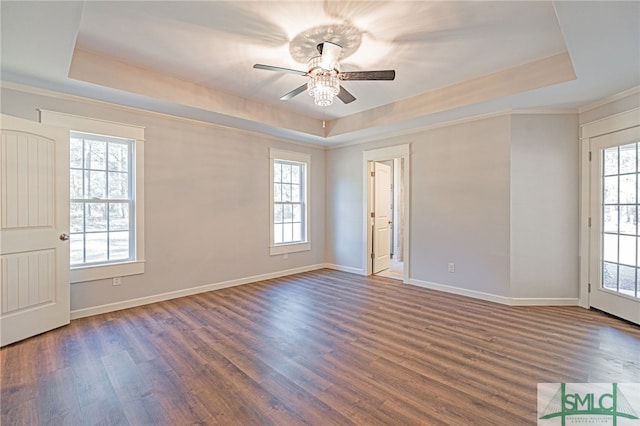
(497, 196)
(544, 206)
(207, 202)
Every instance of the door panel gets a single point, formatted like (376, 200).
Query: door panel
(34, 261)
(615, 235)
(382, 218)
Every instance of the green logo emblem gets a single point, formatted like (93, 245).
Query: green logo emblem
(586, 403)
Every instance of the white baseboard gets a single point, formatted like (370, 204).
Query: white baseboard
(511, 301)
(111, 307)
(544, 301)
(345, 268)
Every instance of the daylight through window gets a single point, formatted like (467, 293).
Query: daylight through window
(102, 199)
(289, 205)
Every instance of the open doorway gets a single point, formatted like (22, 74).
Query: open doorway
(388, 219)
(386, 211)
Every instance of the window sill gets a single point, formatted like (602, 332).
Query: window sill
(289, 248)
(101, 272)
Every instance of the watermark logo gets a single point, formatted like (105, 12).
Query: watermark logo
(616, 404)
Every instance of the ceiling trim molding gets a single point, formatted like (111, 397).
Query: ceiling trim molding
(533, 75)
(609, 99)
(94, 68)
(90, 101)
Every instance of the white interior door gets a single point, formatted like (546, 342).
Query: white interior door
(382, 217)
(614, 261)
(34, 255)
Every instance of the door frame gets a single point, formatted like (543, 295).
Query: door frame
(368, 158)
(611, 124)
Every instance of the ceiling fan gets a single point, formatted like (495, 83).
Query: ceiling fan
(324, 76)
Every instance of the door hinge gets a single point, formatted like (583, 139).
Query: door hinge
(372, 256)
(589, 155)
(589, 288)
(589, 222)
(373, 214)
(373, 174)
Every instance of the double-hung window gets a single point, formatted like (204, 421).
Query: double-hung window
(102, 200)
(289, 202)
(106, 204)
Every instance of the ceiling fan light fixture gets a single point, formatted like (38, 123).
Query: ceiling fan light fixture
(323, 87)
(323, 83)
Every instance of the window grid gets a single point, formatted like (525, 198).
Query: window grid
(620, 233)
(288, 203)
(102, 205)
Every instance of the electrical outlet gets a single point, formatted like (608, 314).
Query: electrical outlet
(452, 267)
(117, 280)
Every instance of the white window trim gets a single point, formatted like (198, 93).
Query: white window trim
(277, 154)
(127, 131)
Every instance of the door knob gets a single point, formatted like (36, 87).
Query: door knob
(64, 237)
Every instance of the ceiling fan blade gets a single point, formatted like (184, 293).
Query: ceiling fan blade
(330, 52)
(294, 92)
(368, 75)
(279, 69)
(345, 96)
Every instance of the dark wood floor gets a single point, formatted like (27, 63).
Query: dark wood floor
(318, 348)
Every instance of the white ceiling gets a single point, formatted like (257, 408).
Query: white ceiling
(453, 59)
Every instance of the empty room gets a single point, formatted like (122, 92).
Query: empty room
(319, 212)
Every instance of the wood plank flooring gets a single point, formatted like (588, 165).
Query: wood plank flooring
(320, 348)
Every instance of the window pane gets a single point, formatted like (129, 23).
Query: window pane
(627, 250)
(628, 220)
(627, 280)
(611, 161)
(95, 155)
(295, 174)
(277, 192)
(611, 190)
(277, 172)
(610, 248)
(118, 217)
(297, 232)
(295, 193)
(75, 181)
(286, 192)
(118, 245)
(96, 217)
(118, 186)
(77, 217)
(96, 184)
(118, 157)
(297, 213)
(277, 213)
(287, 232)
(628, 189)
(610, 219)
(76, 248)
(277, 233)
(610, 276)
(286, 173)
(75, 153)
(287, 213)
(628, 158)
(96, 247)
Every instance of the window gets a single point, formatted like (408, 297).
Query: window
(620, 233)
(106, 202)
(289, 206)
(102, 200)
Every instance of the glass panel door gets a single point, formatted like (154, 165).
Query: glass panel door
(615, 237)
